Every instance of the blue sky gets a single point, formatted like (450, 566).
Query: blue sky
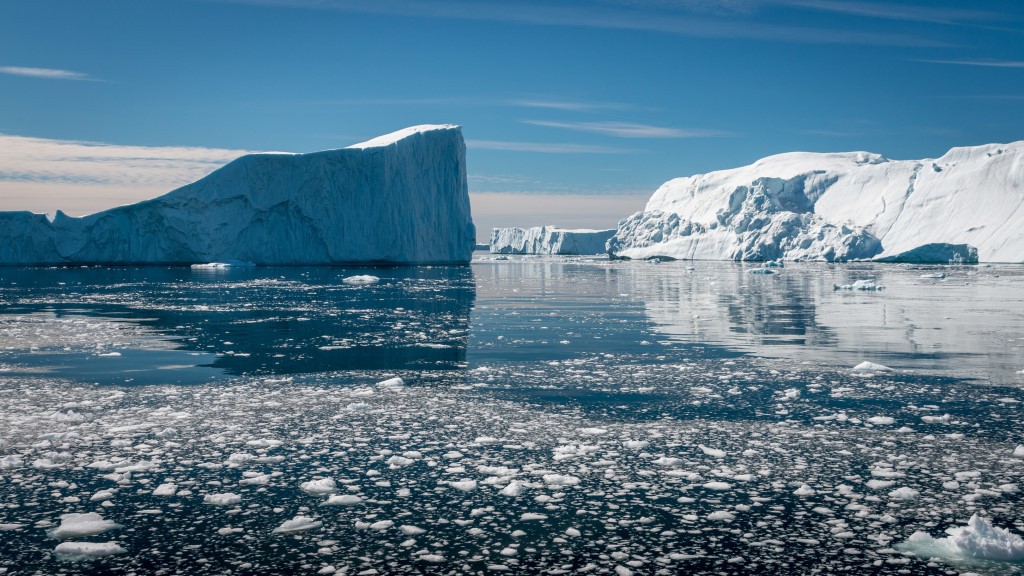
(558, 100)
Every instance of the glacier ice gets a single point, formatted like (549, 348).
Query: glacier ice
(549, 240)
(964, 207)
(400, 198)
(979, 540)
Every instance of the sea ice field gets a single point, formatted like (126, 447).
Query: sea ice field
(522, 415)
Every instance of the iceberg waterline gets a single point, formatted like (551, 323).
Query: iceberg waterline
(401, 198)
(964, 207)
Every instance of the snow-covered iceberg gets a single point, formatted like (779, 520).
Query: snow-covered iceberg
(966, 206)
(400, 198)
(549, 240)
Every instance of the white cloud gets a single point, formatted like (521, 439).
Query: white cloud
(48, 73)
(985, 63)
(41, 174)
(543, 147)
(628, 129)
(570, 106)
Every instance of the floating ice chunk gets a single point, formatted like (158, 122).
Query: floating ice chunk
(721, 516)
(871, 367)
(77, 525)
(979, 540)
(396, 462)
(636, 444)
(10, 526)
(718, 486)
(593, 431)
(713, 452)
(320, 487)
(298, 524)
(668, 461)
(859, 285)
(432, 558)
(102, 495)
(165, 489)
(533, 516)
(572, 532)
(358, 406)
(391, 383)
(882, 420)
(761, 271)
(77, 551)
(904, 493)
(514, 488)
(411, 530)
(222, 265)
(464, 485)
(876, 484)
(361, 280)
(1019, 451)
(561, 480)
(805, 490)
(343, 500)
(11, 462)
(944, 419)
(381, 525)
(225, 499)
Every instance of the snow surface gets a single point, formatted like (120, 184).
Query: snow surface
(549, 240)
(401, 198)
(967, 205)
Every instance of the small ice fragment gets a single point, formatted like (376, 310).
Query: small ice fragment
(721, 516)
(165, 489)
(872, 367)
(560, 480)
(411, 530)
(101, 496)
(464, 485)
(320, 487)
(391, 383)
(944, 419)
(1019, 451)
(804, 490)
(343, 500)
(572, 532)
(904, 493)
(593, 431)
(360, 280)
(381, 525)
(882, 420)
(76, 525)
(718, 486)
(225, 499)
(298, 524)
(533, 516)
(76, 551)
(713, 452)
(514, 488)
(635, 444)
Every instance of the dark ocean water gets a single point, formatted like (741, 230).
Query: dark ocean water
(555, 415)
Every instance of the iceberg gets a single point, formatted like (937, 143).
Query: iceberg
(964, 207)
(549, 240)
(401, 198)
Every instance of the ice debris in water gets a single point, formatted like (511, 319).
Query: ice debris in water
(297, 524)
(226, 499)
(979, 540)
(871, 367)
(360, 280)
(1019, 451)
(222, 265)
(77, 525)
(76, 551)
(320, 487)
(859, 285)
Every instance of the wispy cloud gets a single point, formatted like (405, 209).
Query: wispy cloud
(893, 11)
(607, 17)
(543, 147)
(43, 175)
(47, 73)
(629, 129)
(570, 106)
(984, 63)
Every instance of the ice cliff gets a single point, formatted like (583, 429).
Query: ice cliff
(400, 198)
(549, 240)
(966, 206)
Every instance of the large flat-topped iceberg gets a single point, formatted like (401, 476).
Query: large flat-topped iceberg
(966, 206)
(549, 240)
(398, 199)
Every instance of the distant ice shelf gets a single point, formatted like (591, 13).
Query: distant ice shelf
(397, 199)
(964, 207)
(549, 240)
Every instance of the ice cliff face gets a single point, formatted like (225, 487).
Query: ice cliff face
(400, 198)
(967, 205)
(549, 240)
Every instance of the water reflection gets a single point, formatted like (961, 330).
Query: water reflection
(234, 321)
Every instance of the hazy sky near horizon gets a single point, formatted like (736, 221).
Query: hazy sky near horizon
(559, 100)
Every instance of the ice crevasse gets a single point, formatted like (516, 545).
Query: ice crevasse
(401, 198)
(965, 206)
